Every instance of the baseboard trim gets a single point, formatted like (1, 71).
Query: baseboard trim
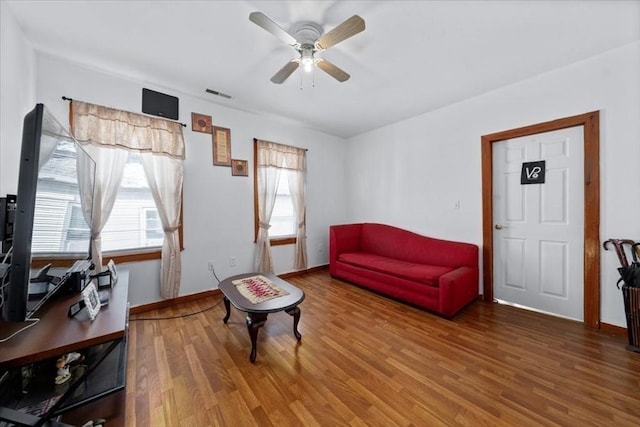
(210, 293)
(305, 271)
(613, 329)
(172, 301)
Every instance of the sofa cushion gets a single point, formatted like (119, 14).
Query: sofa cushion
(396, 243)
(427, 274)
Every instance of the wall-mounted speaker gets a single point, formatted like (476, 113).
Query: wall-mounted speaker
(159, 104)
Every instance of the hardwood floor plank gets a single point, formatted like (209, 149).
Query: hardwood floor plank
(245, 389)
(303, 414)
(199, 380)
(234, 410)
(365, 359)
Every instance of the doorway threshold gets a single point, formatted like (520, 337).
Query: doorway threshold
(524, 307)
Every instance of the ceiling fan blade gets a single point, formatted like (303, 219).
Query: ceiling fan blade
(348, 28)
(265, 22)
(332, 70)
(285, 71)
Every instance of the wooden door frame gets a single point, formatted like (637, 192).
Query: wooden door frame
(591, 126)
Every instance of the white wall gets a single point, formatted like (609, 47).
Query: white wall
(411, 173)
(218, 207)
(17, 86)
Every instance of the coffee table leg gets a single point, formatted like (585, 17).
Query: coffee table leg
(227, 305)
(295, 312)
(255, 322)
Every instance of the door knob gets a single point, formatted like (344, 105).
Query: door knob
(499, 226)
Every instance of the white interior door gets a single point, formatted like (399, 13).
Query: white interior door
(538, 228)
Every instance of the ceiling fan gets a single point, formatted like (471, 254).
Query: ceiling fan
(307, 39)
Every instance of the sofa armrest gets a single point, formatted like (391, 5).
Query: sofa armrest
(342, 239)
(457, 289)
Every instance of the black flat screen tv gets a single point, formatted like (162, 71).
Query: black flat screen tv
(49, 158)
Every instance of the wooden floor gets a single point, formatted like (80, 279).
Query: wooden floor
(367, 360)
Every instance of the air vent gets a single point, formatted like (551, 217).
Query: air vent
(215, 92)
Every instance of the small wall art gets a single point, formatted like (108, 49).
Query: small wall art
(200, 123)
(221, 146)
(239, 167)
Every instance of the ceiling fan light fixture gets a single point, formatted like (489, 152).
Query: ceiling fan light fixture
(307, 59)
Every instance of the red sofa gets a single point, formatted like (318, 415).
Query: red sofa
(438, 275)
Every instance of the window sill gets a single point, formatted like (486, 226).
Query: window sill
(117, 257)
(280, 241)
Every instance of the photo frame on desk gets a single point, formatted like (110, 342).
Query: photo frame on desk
(103, 279)
(91, 300)
(107, 278)
(111, 266)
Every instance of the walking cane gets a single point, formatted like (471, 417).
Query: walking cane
(618, 245)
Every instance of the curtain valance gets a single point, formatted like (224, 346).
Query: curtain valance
(280, 156)
(98, 125)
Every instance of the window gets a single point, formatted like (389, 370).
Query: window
(127, 227)
(283, 218)
(77, 231)
(161, 147)
(279, 201)
(59, 226)
(153, 227)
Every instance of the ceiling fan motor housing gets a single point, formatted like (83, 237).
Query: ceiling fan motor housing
(306, 32)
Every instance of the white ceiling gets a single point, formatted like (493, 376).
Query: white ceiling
(413, 57)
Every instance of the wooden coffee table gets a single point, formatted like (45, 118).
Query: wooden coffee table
(257, 313)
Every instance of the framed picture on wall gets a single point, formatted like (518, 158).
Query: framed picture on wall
(200, 123)
(239, 167)
(221, 146)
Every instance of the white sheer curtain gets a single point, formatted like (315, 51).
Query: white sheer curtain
(268, 178)
(297, 189)
(271, 159)
(109, 165)
(106, 134)
(165, 176)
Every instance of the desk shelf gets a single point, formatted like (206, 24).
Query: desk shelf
(28, 360)
(31, 389)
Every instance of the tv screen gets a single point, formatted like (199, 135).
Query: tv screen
(55, 180)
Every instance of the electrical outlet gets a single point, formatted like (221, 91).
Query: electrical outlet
(233, 262)
(211, 266)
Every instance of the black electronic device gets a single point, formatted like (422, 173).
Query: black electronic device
(78, 275)
(159, 104)
(46, 146)
(7, 219)
(41, 282)
(42, 275)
